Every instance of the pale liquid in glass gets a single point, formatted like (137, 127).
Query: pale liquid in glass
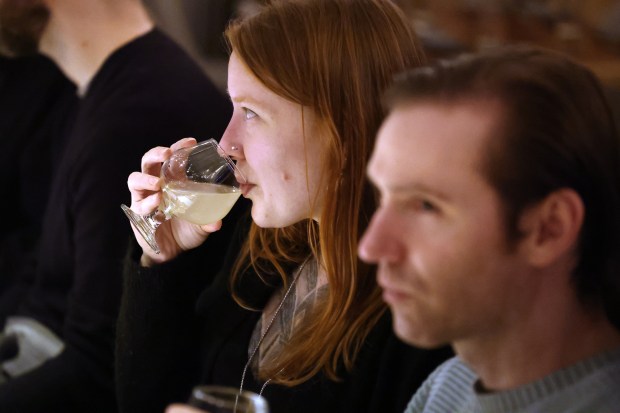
(197, 202)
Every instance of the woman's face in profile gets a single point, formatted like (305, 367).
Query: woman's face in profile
(266, 137)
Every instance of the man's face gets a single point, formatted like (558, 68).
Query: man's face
(21, 24)
(438, 236)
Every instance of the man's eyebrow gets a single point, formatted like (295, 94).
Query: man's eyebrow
(408, 189)
(421, 188)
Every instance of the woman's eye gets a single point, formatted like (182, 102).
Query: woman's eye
(249, 114)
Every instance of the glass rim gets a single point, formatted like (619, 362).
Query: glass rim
(202, 393)
(238, 174)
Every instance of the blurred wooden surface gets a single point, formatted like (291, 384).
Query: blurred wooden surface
(452, 26)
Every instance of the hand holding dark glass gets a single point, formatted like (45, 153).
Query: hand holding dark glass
(219, 399)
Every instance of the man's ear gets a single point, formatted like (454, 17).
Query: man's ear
(552, 227)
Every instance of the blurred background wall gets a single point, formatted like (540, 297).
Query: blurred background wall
(197, 25)
(588, 30)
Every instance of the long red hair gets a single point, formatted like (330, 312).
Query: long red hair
(335, 57)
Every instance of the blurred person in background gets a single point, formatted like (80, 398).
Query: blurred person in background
(36, 106)
(136, 89)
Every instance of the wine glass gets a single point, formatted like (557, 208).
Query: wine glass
(221, 399)
(200, 185)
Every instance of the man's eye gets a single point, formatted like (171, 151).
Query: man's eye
(249, 114)
(424, 206)
(427, 206)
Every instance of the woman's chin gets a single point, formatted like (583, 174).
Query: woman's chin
(267, 220)
(260, 218)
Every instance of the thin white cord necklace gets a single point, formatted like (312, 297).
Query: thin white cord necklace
(262, 337)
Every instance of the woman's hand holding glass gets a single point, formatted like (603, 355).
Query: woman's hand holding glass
(170, 235)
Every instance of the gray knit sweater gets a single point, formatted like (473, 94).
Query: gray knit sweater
(590, 386)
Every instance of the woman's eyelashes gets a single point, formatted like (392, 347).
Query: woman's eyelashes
(248, 113)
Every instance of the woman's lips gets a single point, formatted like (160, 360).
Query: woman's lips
(246, 188)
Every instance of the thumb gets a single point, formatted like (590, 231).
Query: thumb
(212, 227)
(181, 408)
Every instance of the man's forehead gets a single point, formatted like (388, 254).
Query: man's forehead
(433, 138)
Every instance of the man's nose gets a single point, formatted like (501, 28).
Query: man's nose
(380, 241)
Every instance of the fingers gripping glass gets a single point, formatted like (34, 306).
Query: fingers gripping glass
(200, 185)
(218, 399)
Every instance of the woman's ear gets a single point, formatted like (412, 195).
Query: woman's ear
(552, 227)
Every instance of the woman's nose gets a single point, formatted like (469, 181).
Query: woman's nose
(231, 146)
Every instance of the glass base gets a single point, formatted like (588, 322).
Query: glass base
(146, 226)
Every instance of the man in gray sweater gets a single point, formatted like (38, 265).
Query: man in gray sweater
(499, 232)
